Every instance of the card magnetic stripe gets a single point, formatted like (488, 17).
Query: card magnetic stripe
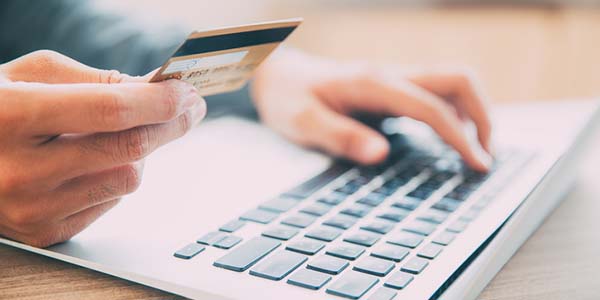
(233, 40)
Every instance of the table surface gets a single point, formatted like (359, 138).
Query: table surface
(536, 53)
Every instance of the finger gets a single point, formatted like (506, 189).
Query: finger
(101, 151)
(51, 67)
(379, 95)
(341, 136)
(467, 95)
(91, 190)
(55, 233)
(81, 108)
(50, 233)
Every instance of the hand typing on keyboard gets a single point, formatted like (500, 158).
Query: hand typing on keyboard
(308, 100)
(72, 139)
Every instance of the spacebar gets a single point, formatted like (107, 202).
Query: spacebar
(247, 254)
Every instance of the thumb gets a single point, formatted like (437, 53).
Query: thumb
(343, 136)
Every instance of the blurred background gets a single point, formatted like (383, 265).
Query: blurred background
(523, 50)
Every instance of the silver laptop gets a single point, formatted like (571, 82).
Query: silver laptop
(233, 211)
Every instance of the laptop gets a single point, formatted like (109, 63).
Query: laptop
(233, 211)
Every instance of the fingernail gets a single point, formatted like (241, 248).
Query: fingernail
(373, 150)
(198, 111)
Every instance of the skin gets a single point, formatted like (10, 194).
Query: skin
(309, 100)
(73, 138)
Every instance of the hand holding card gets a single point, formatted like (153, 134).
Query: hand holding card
(222, 60)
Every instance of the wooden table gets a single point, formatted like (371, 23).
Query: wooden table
(530, 53)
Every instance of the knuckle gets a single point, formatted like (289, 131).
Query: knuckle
(346, 141)
(170, 102)
(13, 183)
(131, 178)
(184, 123)
(432, 109)
(462, 76)
(367, 75)
(112, 110)
(100, 193)
(13, 116)
(111, 76)
(305, 119)
(435, 113)
(20, 218)
(46, 59)
(135, 143)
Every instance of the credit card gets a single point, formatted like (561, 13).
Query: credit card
(222, 60)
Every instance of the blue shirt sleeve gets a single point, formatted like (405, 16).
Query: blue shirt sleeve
(99, 39)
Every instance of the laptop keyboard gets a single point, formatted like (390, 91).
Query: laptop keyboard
(347, 228)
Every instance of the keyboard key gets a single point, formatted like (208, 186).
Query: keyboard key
(299, 220)
(383, 293)
(399, 280)
(346, 251)
(385, 190)
(447, 204)
(349, 188)
(420, 227)
(316, 209)
(456, 195)
(421, 193)
(374, 266)
(312, 185)
(444, 238)
(457, 226)
(341, 221)
(333, 199)
(211, 238)
(381, 227)
(352, 285)
(357, 210)
(391, 252)
(407, 203)
(470, 215)
(259, 216)
(281, 233)
(278, 265)
(279, 205)
(434, 216)
(430, 251)
(228, 242)
(323, 233)
(362, 238)
(415, 265)
(232, 226)
(189, 251)
(244, 256)
(394, 183)
(395, 214)
(309, 279)
(481, 203)
(328, 264)
(405, 239)
(372, 199)
(306, 246)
